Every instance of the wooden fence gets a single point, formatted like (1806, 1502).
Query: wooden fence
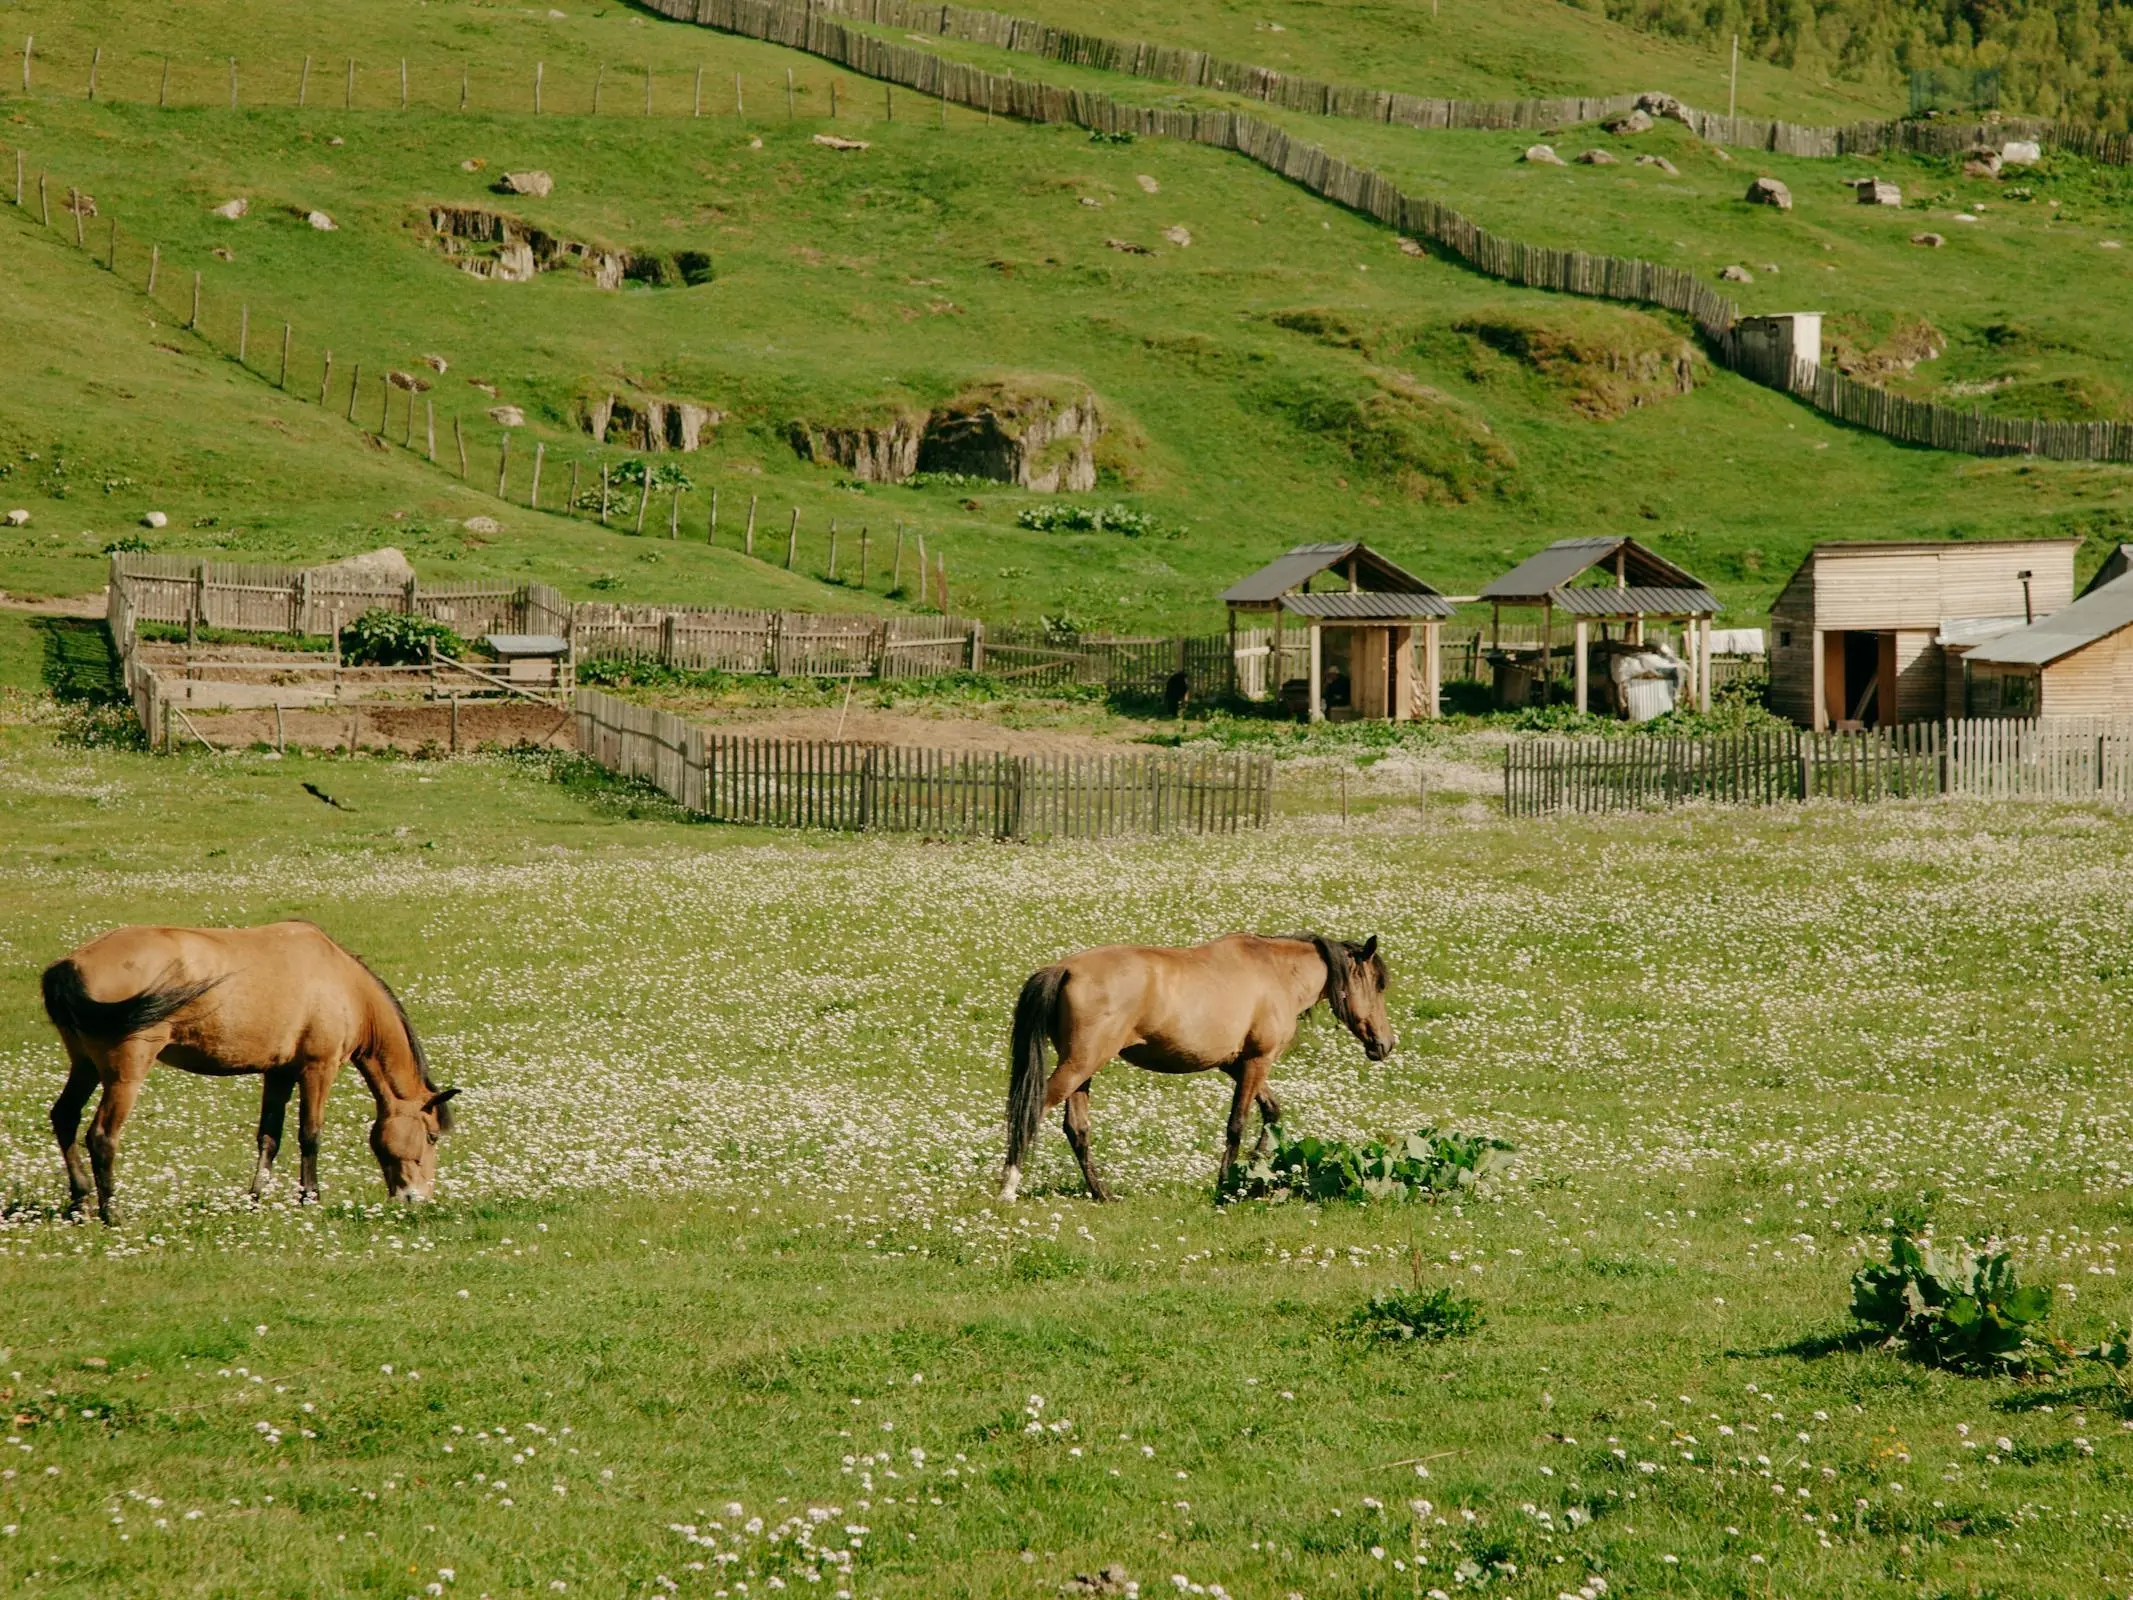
(258, 598)
(907, 789)
(2065, 758)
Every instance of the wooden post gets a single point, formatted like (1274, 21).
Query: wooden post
(921, 541)
(540, 455)
(74, 205)
(748, 539)
(1318, 687)
(571, 504)
(539, 68)
(599, 77)
(163, 91)
(244, 329)
(674, 517)
(503, 464)
(281, 743)
(788, 95)
(348, 91)
(1733, 82)
(111, 248)
(355, 388)
(862, 555)
(155, 264)
(940, 572)
(1818, 709)
(739, 109)
(711, 532)
(28, 45)
(196, 302)
(888, 102)
(303, 82)
(385, 402)
(18, 180)
(1581, 631)
(464, 76)
(833, 550)
(644, 496)
(696, 102)
(403, 83)
(325, 381)
(1703, 667)
(96, 59)
(792, 539)
(1547, 651)
(429, 429)
(287, 333)
(833, 99)
(459, 438)
(648, 89)
(603, 494)
(44, 200)
(896, 573)
(455, 724)
(233, 83)
(1433, 667)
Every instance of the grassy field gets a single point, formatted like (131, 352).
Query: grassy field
(1287, 374)
(714, 1295)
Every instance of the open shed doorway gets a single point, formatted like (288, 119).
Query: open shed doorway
(1859, 673)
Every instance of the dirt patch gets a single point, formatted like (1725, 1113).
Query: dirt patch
(73, 605)
(408, 729)
(865, 726)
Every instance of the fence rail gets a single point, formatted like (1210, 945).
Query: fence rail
(909, 789)
(2063, 758)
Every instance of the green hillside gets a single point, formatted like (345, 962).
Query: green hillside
(1289, 373)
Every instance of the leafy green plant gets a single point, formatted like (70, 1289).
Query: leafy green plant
(1957, 1308)
(949, 480)
(1090, 519)
(1399, 1315)
(1121, 136)
(390, 638)
(128, 543)
(1422, 1165)
(2115, 1351)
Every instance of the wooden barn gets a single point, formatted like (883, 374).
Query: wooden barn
(1373, 631)
(1864, 633)
(2077, 662)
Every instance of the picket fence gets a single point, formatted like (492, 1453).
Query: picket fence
(809, 25)
(259, 598)
(2059, 758)
(911, 789)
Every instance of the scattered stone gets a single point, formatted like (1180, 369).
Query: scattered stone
(755, 144)
(336, 141)
(1179, 236)
(488, 389)
(408, 381)
(1770, 266)
(1092, 204)
(1541, 156)
(1932, 241)
(1736, 275)
(1721, 154)
(1662, 105)
(1128, 247)
(472, 164)
(537, 184)
(386, 564)
(1982, 161)
(2021, 152)
(1964, 216)
(1877, 192)
(155, 519)
(1148, 184)
(482, 525)
(222, 253)
(231, 210)
(437, 364)
(830, 141)
(1637, 121)
(96, 1363)
(1661, 163)
(83, 204)
(507, 416)
(1112, 1580)
(2109, 244)
(322, 222)
(1769, 192)
(1599, 158)
(1412, 247)
(18, 518)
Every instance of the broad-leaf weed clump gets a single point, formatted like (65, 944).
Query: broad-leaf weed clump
(1957, 1308)
(390, 638)
(1421, 1166)
(1427, 1315)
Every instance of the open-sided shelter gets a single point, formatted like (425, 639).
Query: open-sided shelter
(1871, 633)
(1611, 583)
(1375, 624)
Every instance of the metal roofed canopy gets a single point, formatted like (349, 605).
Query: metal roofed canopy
(527, 644)
(1367, 606)
(1606, 600)
(1373, 573)
(1542, 576)
(2095, 616)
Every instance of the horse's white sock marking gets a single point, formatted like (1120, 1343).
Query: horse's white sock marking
(1011, 1184)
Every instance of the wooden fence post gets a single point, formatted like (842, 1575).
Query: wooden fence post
(244, 329)
(503, 464)
(233, 83)
(792, 539)
(28, 45)
(648, 89)
(696, 104)
(862, 555)
(739, 107)
(603, 494)
(539, 67)
(163, 90)
(74, 205)
(788, 95)
(540, 455)
(287, 333)
(325, 382)
(429, 428)
(44, 200)
(155, 263)
(711, 530)
(464, 75)
(385, 403)
(303, 84)
(460, 439)
(599, 77)
(403, 83)
(644, 495)
(571, 505)
(748, 539)
(96, 59)
(674, 517)
(348, 92)
(195, 322)
(355, 388)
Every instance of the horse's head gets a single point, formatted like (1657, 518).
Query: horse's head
(1356, 985)
(404, 1139)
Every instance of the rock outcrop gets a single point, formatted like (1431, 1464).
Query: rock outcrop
(537, 184)
(1542, 155)
(647, 423)
(1877, 192)
(1038, 438)
(507, 249)
(1769, 192)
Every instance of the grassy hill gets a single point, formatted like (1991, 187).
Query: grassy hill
(1288, 374)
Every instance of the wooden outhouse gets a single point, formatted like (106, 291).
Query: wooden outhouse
(1373, 631)
(2077, 662)
(1607, 583)
(1863, 633)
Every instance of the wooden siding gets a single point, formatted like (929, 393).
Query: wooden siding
(2095, 681)
(1921, 672)
(1886, 590)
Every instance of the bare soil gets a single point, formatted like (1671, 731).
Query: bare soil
(866, 726)
(408, 729)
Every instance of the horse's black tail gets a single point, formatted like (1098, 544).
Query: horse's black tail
(1035, 1012)
(67, 1003)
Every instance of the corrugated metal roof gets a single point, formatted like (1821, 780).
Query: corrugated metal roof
(1338, 603)
(2115, 566)
(1567, 559)
(528, 644)
(1605, 601)
(1963, 632)
(2096, 615)
(1307, 561)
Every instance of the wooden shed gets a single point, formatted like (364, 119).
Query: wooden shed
(1374, 631)
(1609, 583)
(2077, 662)
(1863, 633)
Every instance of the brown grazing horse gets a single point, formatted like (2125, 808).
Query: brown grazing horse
(1231, 1005)
(283, 1001)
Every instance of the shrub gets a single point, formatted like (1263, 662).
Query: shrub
(1422, 1165)
(1956, 1308)
(1090, 519)
(128, 543)
(392, 638)
(1417, 1313)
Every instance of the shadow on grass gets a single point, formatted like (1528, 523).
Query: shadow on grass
(80, 665)
(1815, 1346)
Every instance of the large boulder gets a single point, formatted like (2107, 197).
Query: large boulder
(1599, 158)
(1542, 155)
(1736, 274)
(2021, 152)
(1769, 192)
(1931, 241)
(1981, 161)
(1661, 163)
(231, 210)
(1662, 105)
(1636, 121)
(537, 184)
(1877, 192)
(385, 565)
(322, 222)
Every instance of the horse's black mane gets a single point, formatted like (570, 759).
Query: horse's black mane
(1342, 957)
(414, 1040)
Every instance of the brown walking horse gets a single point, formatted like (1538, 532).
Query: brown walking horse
(283, 1001)
(1231, 1005)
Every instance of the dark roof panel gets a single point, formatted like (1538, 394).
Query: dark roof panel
(1300, 565)
(1566, 560)
(2096, 615)
(1635, 601)
(1337, 604)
